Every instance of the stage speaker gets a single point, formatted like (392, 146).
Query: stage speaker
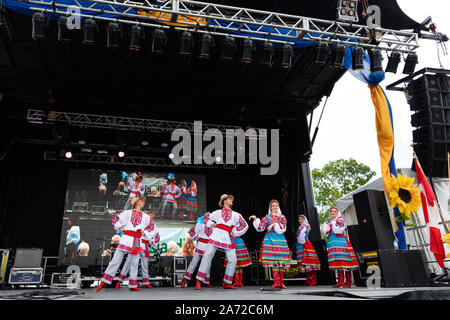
(354, 237)
(374, 222)
(430, 101)
(403, 268)
(28, 258)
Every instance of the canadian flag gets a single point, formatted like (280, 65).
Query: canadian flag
(431, 214)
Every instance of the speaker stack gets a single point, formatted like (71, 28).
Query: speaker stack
(430, 101)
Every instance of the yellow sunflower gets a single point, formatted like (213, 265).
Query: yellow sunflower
(446, 239)
(404, 195)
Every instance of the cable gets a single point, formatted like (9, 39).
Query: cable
(317, 127)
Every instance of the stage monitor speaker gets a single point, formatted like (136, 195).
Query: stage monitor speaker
(430, 100)
(28, 258)
(373, 220)
(403, 268)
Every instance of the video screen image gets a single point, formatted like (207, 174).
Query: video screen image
(93, 197)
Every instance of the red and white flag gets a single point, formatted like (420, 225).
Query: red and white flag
(431, 215)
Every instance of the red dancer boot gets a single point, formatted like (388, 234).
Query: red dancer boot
(313, 279)
(348, 279)
(191, 217)
(183, 283)
(282, 286)
(241, 276)
(147, 286)
(308, 279)
(101, 285)
(135, 289)
(118, 283)
(276, 280)
(340, 282)
(236, 279)
(198, 284)
(228, 286)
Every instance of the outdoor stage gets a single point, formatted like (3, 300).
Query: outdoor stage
(189, 294)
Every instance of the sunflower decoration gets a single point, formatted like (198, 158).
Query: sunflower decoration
(446, 239)
(404, 195)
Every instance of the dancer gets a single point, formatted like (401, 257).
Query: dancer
(275, 250)
(341, 256)
(307, 260)
(181, 201)
(243, 260)
(147, 241)
(191, 202)
(133, 223)
(201, 233)
(136, 189)
(170, 192)
(226, 224)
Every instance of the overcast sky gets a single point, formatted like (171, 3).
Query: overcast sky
(347, 129)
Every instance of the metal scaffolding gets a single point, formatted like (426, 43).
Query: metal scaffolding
(131, 161)
(240, 22)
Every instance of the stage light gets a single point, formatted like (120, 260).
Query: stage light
(267, 53)
(321, 53)
(207, 42)
(137, 34)
(393, 62)
(286, 60)
(218, 159)
(89, 29)
(186, 44)
(121, 154)
(410, 64)
(159, 40)
(247, 51)
(376, 60)
(171, 156)
(144, 143)
(358, 58)
(164, 145)
(39, 26)
(82, 142)
(113, 35)
(339, 55)
(68, 155)
(229, 47)
(347, 10)
(64, 34)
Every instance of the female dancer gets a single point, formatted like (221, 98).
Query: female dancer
(133, 223)
(341, 256)
(307, 260)
(274, 251)
(191, 201)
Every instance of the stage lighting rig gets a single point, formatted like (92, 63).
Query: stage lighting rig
(159, 40)
(229, 47)
(288, 53)
(267, 54)
(113, 35)
(136, 37)
(410, 64)
(207, 42)
(89, 29)
(347, 10)
(376, 60)
(338, 56)
(358, 58)
(39, 25)
(64, 34)
(247, 51)
(60, 134)
(322, 53)
(187, 42)
(393, 62)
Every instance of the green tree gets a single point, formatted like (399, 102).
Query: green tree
(336, 179)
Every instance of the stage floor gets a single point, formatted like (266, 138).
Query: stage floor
(217, 293)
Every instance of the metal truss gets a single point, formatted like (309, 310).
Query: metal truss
(131, 161)
(240, 22)
(83, 120)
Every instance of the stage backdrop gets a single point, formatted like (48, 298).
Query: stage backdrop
(93, 197)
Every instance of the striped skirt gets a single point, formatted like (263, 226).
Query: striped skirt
(275, 251)
(242, 255)
(307, 257)
(340, 253)
(191, 203)
(181, 202)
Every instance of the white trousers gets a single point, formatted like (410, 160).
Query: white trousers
(205, 265)
(114, 265)
(127, 266)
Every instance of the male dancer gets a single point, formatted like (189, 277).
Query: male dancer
(136, 189)
(170, 192)
(226, 224)
(201, 233)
